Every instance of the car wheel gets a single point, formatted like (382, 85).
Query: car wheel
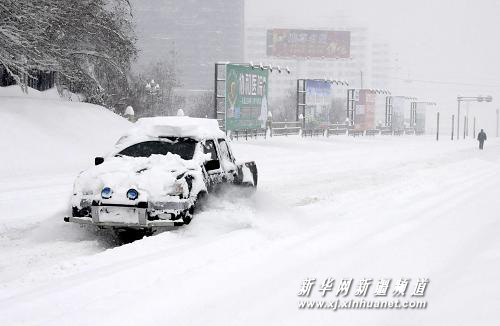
(200, 202)
(187, 219)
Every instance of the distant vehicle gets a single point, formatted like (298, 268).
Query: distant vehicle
(158, 175)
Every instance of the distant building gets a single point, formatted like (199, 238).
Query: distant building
(192, 35)
(366, 67)
(381, 65)
(352, 69)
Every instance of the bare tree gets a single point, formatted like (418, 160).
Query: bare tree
(203, 106)
(284, 108)
(338, 110)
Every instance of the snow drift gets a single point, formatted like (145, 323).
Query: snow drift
(41, 134)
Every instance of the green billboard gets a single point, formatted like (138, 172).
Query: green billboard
(246, 97)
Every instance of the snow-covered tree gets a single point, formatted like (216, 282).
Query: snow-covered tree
(89, 43)
(203, 106)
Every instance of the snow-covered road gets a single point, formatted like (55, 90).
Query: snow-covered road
(381, 207)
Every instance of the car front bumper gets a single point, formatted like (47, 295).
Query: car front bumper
(147, 225)
(134, 217)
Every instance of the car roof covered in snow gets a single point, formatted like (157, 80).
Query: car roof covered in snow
(177, 126)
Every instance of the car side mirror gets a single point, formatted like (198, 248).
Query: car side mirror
(212, 165)
(98, 160)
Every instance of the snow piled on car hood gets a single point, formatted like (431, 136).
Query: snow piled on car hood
(196, 128)
(154, 177)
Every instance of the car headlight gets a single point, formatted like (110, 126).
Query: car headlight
(106, 193)
(132, 194)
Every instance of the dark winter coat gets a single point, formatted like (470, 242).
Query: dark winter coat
(481, 136)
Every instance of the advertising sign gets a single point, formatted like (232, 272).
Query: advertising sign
(398, 113)
(317, 91)
(318, 99)
(365, 110)
(420, 118)
(308, 43)
(246, 97)
(380, 110)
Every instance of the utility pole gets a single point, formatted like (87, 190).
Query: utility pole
(465, 124)
(452, 125)
(497, 123)
(458, 121)
(474, 128)
(437, 129)
(361, 75)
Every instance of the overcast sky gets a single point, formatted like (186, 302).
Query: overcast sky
(455, 39)
(437, 40)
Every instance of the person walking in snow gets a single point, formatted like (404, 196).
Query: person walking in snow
(481, 137)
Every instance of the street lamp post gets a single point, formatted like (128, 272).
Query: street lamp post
(497, 124)
(460, 99)
(474, 128)
(153, 89)
(437, 127)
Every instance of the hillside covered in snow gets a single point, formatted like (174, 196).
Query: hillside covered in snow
(40, 133)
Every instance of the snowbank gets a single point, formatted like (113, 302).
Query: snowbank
(16, 91)
(41, 134)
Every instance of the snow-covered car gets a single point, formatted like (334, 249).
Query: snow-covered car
(157, 175)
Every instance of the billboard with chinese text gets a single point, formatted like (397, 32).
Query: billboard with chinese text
(365, 110)
(246, 97)
(308, 43)
(318, 103)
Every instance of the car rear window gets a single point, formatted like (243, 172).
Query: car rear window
(184, 147)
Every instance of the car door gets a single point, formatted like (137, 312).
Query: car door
(227, 160)
(212, 165)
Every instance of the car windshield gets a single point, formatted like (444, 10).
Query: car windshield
(184, 147)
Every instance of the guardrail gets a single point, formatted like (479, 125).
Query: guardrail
(249, 133)
(313, 132)
(289, 128)
(285, 128)
(372, 132)
(398, 132)
(336, 132)
(386, 132)
(355, 133)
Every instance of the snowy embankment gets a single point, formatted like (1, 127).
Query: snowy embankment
(339, 207)
(42, 134)
(45, 142)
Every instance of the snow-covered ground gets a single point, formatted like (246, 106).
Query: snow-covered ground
(379, 207)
